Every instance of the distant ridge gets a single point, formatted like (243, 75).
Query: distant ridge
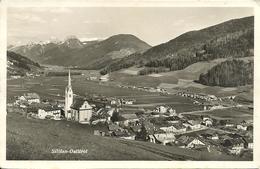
(92, 54)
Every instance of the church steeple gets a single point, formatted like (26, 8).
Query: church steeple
(69, 80)
(68, 98)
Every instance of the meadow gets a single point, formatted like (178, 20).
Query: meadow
(33, 139)
(237, 114)
(54, 87)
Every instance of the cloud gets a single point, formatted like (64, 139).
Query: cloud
(28, 18)
(82, 39)
(96, 21)
(54, 20)
(60, 10)
(51, 10)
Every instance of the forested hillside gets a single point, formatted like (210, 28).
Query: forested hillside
(230, 73)
(19, 65)
(234, 38)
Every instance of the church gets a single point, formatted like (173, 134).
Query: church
(76, 109)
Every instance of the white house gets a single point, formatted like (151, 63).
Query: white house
(242, 127)
(194, 142)
(52, 112)
(194, 124)
(30, 98)
(161, 109)
(175, 127)
(162, 137)
(104, 78)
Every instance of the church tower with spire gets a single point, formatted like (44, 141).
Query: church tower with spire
(68, 98)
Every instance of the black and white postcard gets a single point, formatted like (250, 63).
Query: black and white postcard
(129, 82)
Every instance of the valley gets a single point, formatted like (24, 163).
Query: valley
(119, 98)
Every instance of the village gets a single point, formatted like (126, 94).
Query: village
(160, 125)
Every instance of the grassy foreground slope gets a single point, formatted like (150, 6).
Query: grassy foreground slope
(34, 139)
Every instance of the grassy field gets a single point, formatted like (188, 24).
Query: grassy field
(31, 139)
(53, 88)
(181, 79)
(238, 114)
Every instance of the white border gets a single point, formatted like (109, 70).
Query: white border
(126, 164)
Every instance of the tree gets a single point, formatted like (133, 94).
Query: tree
(143, 134)
(115, 116)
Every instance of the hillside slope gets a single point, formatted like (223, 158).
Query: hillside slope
(91, 55)
(20, 65)
(35, 139)
(234, 38)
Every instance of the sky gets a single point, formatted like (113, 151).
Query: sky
(154, 25)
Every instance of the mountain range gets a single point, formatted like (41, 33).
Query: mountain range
(92, 54)
(229, 40)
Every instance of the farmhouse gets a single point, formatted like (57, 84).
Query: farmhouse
(49, 111)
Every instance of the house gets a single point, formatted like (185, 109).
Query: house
(242, 127)
(121, 133)
(98, 121)
(99, 133)
(235, 145)
(49, 111)
(249, 143)
(81, 110)
(127, 101)
(207, 121)
(171, 112)
(245, 126)
(113, 102)
(30, 98)
(130, 118)
(162, 138)
(194, 124)
(175, 127)
(131, 137)
(161, 109)
(169, 129)
(104, 78)
(216, 107)
(15, 76)
(195, 141)
(173, 119)
(92, 78)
